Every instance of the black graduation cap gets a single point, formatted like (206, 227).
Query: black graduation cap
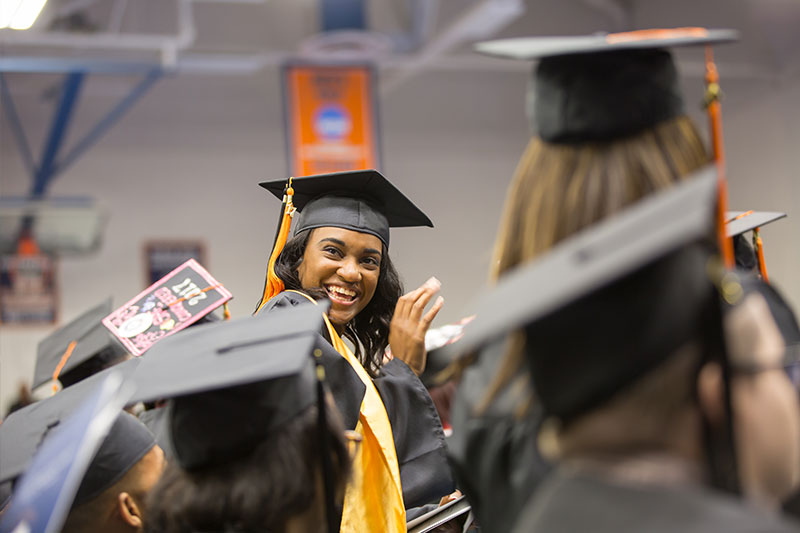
(359, 200)
(156, 421)
(5, 494)
(738, 222)
(232, 383)
(603, 86)
(749, 256)
(26, 432)
(92, 342)
(611, 302)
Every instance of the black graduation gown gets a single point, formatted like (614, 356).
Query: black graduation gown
(494, 454)
(416, 428)
(579, 503)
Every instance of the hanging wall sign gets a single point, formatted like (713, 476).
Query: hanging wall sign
(28, 292)
(179, 299)
(331, 118)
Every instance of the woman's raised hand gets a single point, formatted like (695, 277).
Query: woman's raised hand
(410, 323)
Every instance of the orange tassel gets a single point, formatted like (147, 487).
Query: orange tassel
(714, 109)
(64, 358)
(741, 215)
(226, 313)
(274, 285)
(759, 246)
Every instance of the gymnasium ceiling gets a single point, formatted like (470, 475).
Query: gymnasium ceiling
(404, 37)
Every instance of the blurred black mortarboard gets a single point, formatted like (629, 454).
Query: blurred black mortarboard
(156, 421)
(244, 378)
(604, 86)
(94, 346)
(5, 495)
(738, 222)
(611, 302)
(359, 200)
(68, 449)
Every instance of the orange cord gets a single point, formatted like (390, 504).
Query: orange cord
(659, 33)
(759, 246)
(60, 366)
(715, 121)
(179, 300)
(742, 215)
(274, 285)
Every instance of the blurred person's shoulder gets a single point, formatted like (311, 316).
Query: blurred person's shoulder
(581, 502)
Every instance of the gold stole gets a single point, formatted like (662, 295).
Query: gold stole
(373, 500)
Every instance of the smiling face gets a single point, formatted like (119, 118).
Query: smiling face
(347, 265)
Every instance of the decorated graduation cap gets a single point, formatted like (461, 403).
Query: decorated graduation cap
(74, 445)
(81, 348)
(611, 302)
(603, 86)
(750, 256)
(185, 296)
(357, 200)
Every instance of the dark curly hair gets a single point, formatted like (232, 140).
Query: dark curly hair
(369, 330)
(260, 491)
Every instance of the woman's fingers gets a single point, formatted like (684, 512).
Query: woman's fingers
(409, 304)
(422, 302)
(428, 289)
(430, 315)
(407, 300)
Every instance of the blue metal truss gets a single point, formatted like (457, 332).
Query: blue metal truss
(50, 164)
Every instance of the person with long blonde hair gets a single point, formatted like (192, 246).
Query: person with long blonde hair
(611, 129)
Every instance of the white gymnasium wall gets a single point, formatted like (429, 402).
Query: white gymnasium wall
(450, 141)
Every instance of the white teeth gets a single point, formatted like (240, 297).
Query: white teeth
(342, 291)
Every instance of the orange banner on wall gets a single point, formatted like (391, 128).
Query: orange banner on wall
(331, 118)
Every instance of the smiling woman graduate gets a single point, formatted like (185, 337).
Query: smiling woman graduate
(339, 251)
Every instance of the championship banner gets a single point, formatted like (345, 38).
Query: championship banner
(331, 119)
(176, 301)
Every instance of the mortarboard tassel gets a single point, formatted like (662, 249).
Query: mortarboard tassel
(274, 285)
(226, 313)
(62, 362)
(714, 109)
(759, 247)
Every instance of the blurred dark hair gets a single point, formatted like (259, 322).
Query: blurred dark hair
(258, 492)
(369, 330)
(744, 254)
